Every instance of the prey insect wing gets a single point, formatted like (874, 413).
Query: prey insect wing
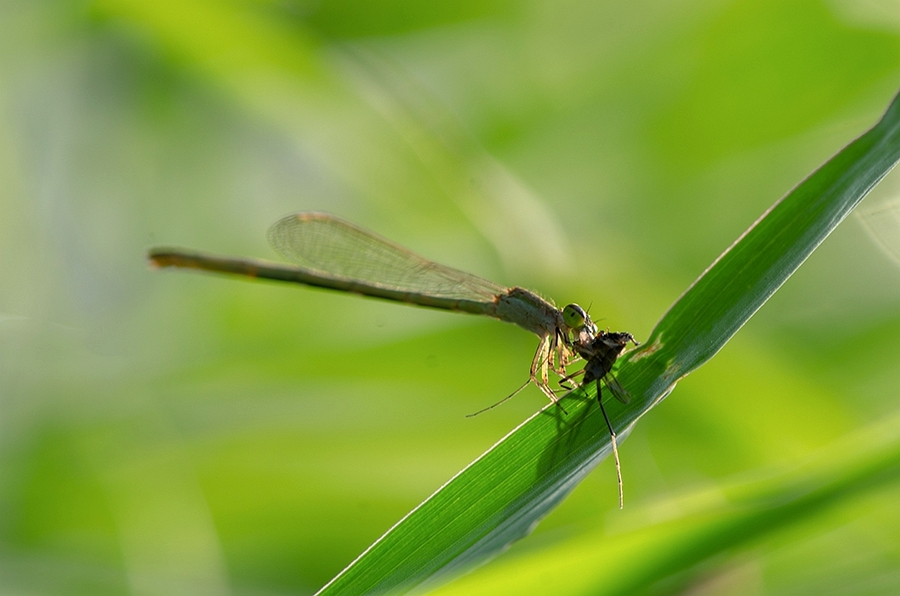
(616, 388)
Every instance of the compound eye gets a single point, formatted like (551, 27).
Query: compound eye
(574, 316)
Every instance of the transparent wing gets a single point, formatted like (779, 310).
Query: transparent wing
(331, 246)
(616, 388)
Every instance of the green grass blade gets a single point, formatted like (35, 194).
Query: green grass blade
(710, 524)
(503, 494)
(746, 275)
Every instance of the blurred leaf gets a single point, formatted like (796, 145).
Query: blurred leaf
(502, 495)
(792, 97)
(356, 18)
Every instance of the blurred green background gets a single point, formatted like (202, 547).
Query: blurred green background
(167, 433)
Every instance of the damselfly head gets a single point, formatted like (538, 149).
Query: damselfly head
(579, 323)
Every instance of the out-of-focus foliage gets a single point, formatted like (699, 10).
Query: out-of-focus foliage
(164, 433)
